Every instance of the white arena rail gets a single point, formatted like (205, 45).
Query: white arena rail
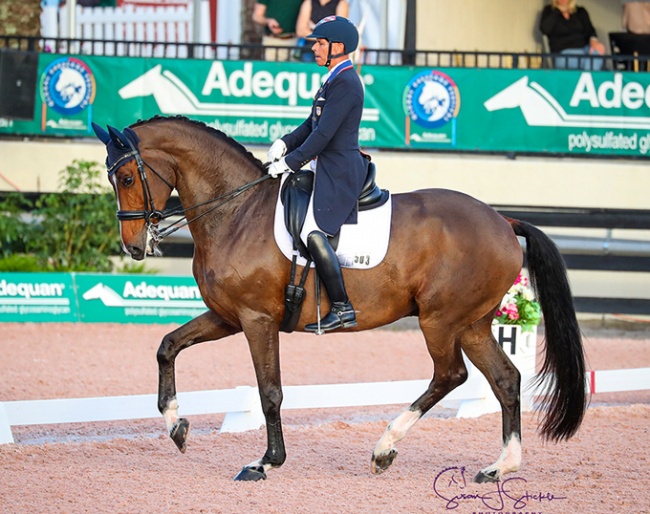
(242, 405)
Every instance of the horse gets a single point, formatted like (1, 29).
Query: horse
(450, 261)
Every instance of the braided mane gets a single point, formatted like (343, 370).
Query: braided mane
(210, 130)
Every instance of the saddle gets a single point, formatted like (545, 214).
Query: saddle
(295, 195)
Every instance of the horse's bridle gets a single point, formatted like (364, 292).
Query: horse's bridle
(150, 214)
(153, 216)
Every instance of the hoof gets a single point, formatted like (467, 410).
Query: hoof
(381, 463)
(485, 477)
(179, 433)
(251, 474)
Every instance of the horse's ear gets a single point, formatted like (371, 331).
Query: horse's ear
(131, 137)
(118, 138)
(101, 134)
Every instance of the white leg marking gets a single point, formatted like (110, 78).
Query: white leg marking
(396, 431)
(171, 414)
(258, 464)
(510, 458)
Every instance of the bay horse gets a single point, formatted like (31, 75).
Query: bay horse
(450, 261)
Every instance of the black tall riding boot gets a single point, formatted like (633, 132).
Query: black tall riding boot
(329, 270)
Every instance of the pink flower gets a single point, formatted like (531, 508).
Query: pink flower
(521, 279)
(519, 295)
(510, 310)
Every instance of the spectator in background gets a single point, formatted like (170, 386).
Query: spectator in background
(278, 17)
(570, 32)
(636, 16)
(311, 12)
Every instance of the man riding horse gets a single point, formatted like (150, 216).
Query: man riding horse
(329, 140)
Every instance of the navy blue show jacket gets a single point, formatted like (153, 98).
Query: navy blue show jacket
(331, 133)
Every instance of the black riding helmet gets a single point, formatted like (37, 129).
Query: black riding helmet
(336, 29)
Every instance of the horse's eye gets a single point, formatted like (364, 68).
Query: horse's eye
(127, 181)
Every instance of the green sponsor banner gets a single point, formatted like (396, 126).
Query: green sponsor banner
(465, 109)
(137, 298)
(37, 297)
(66, 90)
(570, 112)
(540, 111)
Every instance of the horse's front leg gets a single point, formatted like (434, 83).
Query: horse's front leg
(206, 327)
(264, 343)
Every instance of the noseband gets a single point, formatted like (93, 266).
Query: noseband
(153, 216)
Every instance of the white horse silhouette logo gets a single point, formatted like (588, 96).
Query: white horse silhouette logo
(174, 97)
(541, 109)
(72, 87)
(434, 98)
(112, 299)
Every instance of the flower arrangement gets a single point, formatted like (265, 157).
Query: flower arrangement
(519, 306)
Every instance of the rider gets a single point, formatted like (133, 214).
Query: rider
(329, 139)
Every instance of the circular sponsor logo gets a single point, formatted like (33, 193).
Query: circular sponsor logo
(431, 99)
(68, 86)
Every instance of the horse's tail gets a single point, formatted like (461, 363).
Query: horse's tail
(563, 371)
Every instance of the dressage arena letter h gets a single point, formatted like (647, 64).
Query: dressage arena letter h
(522, 353)
(512, 338)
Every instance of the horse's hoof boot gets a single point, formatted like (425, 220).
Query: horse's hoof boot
(179, 433)
(251, 474)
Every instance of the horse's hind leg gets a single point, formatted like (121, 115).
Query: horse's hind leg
(504, 379)
(206, 327)
(449, 373)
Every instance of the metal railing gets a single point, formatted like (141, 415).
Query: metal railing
(609, 254)
(603, 253)
(365, 56)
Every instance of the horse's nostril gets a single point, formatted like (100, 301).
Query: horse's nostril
(136, 252)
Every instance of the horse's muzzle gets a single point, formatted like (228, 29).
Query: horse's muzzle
(136, 252)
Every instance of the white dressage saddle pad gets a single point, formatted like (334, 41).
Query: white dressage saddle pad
(361, 246)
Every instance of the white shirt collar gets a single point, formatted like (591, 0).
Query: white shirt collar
(329, 73)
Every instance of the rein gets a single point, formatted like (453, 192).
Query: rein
(153, 216)
(183, 221)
